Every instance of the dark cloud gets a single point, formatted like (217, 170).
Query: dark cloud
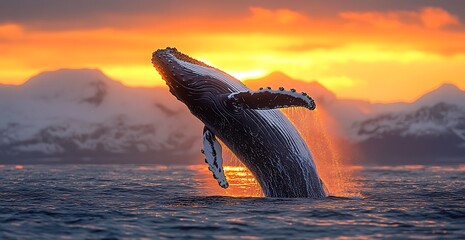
(332, 7)
(27, 10)
(60, 14)
(51, 14)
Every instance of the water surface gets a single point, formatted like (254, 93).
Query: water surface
(132, 201)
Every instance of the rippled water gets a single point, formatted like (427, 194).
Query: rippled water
(127, 201)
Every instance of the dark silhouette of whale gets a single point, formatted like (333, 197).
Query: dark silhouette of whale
(247, 122)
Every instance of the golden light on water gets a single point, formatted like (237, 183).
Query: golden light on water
(19, 166)
(241, 181)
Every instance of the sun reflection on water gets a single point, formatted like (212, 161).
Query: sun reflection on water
(241, 181)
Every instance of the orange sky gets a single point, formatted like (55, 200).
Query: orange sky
(379, 55)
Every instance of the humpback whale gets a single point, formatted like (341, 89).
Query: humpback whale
(247, 122)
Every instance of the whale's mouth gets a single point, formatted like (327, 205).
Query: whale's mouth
(171, 65)
(183, 57)
(170, 53)
(186, 76)
(165, 61)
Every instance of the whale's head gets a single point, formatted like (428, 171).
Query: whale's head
(191, 81)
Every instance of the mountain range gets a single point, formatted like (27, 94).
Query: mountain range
(82, 116)
(430, 130)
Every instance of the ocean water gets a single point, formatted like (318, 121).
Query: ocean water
(157, 202)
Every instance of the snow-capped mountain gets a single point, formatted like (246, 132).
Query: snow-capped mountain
(438, 119)
(429, 130)
(82, 115)
(447, 93)
(437, 112)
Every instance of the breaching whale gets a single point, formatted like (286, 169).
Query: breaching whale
(248, 122)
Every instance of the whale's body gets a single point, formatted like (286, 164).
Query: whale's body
(260, 136)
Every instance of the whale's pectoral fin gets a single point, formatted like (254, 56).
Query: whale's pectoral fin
(213, 157)
(269, 99)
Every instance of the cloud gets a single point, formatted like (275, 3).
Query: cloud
(10, 32)
(380, 19)
(86, 14)
(247, 41)
(281, 16)
(430, 17)
(433, 17)
(61, 15)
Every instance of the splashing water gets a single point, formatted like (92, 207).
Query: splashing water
(319, 131)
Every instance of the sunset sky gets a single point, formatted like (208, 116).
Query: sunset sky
(382, 51)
